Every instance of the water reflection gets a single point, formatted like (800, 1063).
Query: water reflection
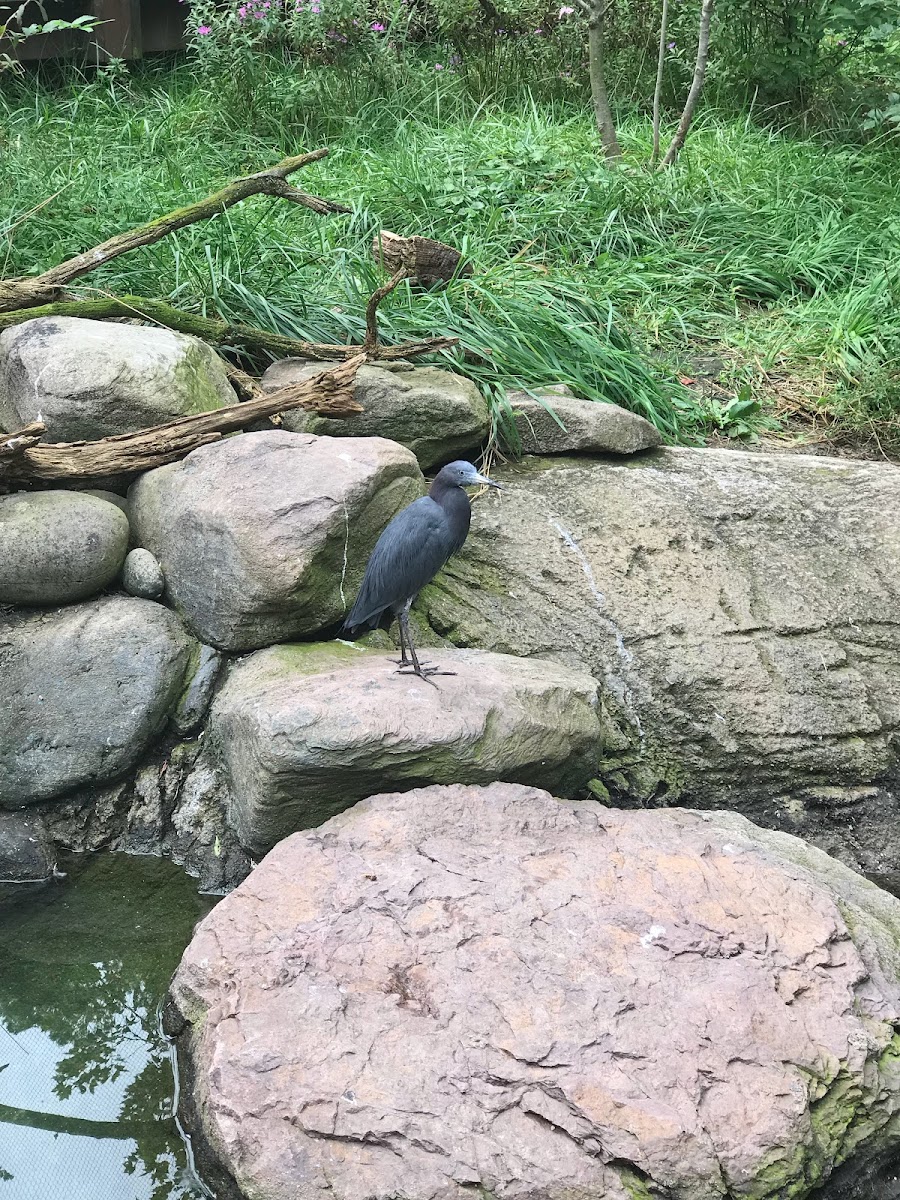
(86, 1085)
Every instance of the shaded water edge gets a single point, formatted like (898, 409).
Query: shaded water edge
(87, 1083)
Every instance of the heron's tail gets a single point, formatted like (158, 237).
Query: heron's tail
(358, 623)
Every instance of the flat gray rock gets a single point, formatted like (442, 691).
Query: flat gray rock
(307, 730)
(83, 693)
(58, 547)
(741, 611)
(92, 379)
(264, 537)
(463, 991)
(574, 425)
(440, 416)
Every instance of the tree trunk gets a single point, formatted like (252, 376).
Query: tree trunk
(696, 84)
(657, 93)
(602, 112)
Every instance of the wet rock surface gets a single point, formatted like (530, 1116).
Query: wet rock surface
(468, 988)
(25, 854)
(742, 612)
(57, 547)
(438, 415)
(305, 731)
(93, 379)
(552, 422)
(264, 537)
(83, 693)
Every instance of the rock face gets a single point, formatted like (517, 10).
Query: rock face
(142, 575)
(464, 988)
(264, 537)
(92, 379)
(25, 856)
(742, 611)
(83, 692)
(586, 427)
(58, 547)
(438, 415)
(305, 731)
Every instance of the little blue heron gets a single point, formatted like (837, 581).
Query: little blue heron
(409, 553)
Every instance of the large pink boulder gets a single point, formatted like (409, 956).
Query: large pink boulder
(462, 989)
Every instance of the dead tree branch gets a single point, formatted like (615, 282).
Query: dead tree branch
(23, 460)
(696, 85)
(45, 288)
(215, 330)
(371, 338)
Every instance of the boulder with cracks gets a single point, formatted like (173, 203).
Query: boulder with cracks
(460, 988)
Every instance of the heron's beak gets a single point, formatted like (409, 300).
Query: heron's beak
(487, 482)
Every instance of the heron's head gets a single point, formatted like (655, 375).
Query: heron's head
(463, 474)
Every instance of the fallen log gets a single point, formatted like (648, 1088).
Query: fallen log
(24, 459)
(217, 331)
(45, 288)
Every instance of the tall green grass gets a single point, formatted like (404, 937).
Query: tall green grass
(765, 245)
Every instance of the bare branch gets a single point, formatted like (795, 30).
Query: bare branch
(371, 338)
(696, 85)
(220, 332)
(42, 289)
(329, 394)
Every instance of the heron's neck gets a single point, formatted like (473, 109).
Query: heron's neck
(452, 499)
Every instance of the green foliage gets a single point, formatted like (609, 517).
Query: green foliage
(767, 247)
(15, 31)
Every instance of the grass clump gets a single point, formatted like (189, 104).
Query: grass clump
(764, 249)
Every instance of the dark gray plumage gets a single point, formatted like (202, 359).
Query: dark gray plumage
(410, 552)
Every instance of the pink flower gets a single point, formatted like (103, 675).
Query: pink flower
(203, 30)
(377, 27)
(566, 11)
(439, 66)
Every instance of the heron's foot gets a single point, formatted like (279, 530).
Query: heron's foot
(402, 662)
(422, 670)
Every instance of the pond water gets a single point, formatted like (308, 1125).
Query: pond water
(86, 1079)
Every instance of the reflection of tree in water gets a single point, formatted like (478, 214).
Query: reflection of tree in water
(89, 962)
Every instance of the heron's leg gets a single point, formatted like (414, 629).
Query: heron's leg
(404, 660)
(416, 667)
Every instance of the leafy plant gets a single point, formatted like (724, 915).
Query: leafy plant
(15, 32)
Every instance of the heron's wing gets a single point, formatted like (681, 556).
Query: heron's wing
(409, 554)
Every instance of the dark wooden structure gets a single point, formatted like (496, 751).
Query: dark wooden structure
(131, 29)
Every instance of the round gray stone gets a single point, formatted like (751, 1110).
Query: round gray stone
(58, 547)
(83, 693)
(142, 575)
(437, 414)
(92, 379)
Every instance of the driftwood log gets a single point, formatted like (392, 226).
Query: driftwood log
(219, 332)
(45, 288)
(24, 458)
(424, 260)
